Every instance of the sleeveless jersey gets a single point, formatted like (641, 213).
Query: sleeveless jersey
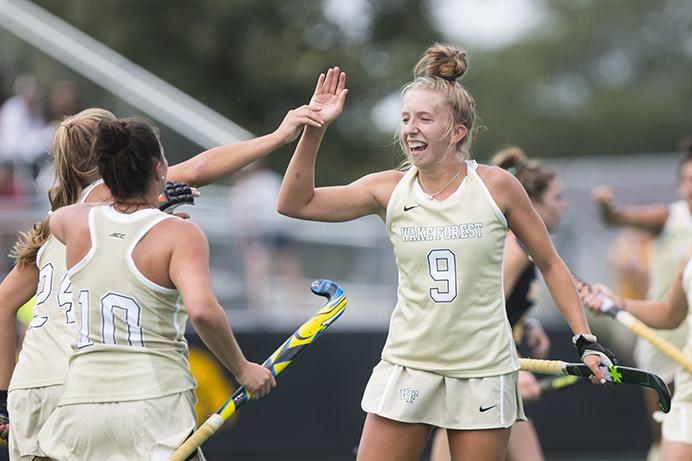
(666, 250)
(47, 343)
(668, 247)
(131, 344)
(683, 380)
(450, 313)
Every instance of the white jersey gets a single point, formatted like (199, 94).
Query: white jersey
(675, 239)
(131, 344)
(450, 314)
(683, 379)
(47, 343)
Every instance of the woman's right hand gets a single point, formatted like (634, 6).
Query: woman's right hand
(330, 95)
(604, 198)
(257, 379)
(592, 296)
(294, 121)
(529, 389)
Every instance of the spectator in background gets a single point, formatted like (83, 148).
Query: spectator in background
(25, 136)
(263, 238)
(63, 101)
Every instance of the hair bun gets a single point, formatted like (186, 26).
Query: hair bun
(442, 61)
(509, 157)
(113, 136)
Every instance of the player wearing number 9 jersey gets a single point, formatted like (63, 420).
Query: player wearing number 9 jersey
(132, 268)
(35, 384)
(449, 359)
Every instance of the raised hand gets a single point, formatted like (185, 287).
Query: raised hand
(294, 121)
(330, 95)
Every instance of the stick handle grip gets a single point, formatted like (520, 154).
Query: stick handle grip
(206, 430)
(547, 367)
(640, 329)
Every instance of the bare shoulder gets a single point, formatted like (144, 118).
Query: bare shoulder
(503, 186)
(70, 213)
(179, 233)
(495, 176)
(388, 178)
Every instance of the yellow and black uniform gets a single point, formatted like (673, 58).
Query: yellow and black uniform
(130, 357)
(449, 326)
(37, 379)
(677, 425)
(666, 249)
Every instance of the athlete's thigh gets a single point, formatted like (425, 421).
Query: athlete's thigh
(523, 443)
(388, 440)
(478, 445)
(674, 451)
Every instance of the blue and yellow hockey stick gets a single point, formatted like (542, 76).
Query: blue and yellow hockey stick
(277, 362)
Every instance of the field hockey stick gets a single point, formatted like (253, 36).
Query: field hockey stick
(277, 362)
(555, 383)
(614, 374)
(610, 308)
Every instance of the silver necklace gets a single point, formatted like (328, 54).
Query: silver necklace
(432, 196)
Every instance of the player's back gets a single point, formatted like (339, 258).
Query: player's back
(131, 344)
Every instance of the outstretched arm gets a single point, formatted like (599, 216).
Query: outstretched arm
(213, 164)
(665, 314)
(189, 272)
(299, 198)
(648, 218)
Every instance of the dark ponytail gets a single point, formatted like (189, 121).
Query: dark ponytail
(532, 174)
(126, 151)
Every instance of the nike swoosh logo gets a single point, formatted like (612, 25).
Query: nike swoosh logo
(483, 410)
(406, 208)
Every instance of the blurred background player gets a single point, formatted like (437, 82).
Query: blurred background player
(671, 230)
(668, 313)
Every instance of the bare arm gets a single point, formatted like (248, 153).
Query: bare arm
(213, 164)
(189, 272)
(665, 314)
(299, 198)
(17, 288)
(648, 218)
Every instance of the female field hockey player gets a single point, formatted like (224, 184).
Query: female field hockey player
(36, 383)
(521, 291)
(671, 228)
(449, 360)
(132, 268)
(668, 313)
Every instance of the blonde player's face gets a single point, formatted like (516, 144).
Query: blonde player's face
(551, 207)
(425, 128)
(686, 181)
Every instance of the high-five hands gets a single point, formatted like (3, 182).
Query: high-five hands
(330, 95)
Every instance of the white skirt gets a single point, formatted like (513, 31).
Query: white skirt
(416, 396)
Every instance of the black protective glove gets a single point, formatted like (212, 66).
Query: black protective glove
(175, 194)
(589, 346)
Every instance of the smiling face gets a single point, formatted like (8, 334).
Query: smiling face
(425, 129)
